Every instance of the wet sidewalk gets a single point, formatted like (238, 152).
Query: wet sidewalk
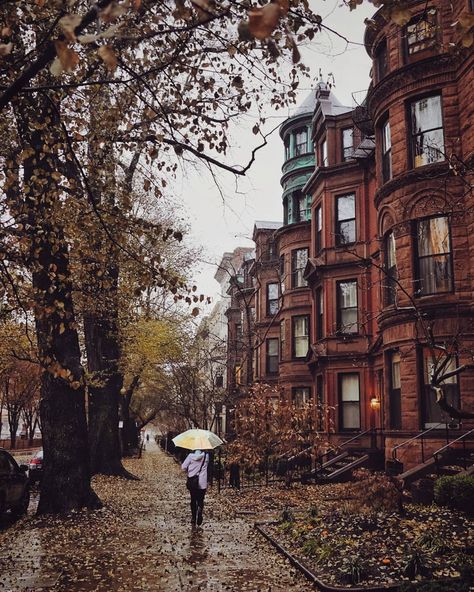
(142, 540)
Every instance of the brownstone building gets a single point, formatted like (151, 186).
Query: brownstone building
(367, 296)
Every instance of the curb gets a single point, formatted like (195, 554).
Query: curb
(311, 576)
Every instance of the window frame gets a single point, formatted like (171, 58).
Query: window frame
(324, 153)
(449, 256)
(390, 291)
(295, 270)
(294, 319)
(274, 357)
(269, 300)
(319, 298)
(339, 241)
(282, 338)
(426, 390)
(415, 20)
(412, 151)
(395, 393)
(381, 72)
(318, 216)
(345, 157)
(287, 146)
(305, 399)
(386, 152)
(340, 377)
(339, 309)
(300, 145)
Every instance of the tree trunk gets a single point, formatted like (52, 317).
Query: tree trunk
(104, 391)
(65, 485)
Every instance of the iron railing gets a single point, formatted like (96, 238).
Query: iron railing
(421, 436)
(449, 446)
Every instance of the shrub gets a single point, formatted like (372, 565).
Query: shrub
(287, 515)
(455, 491)
(310, 547)
(415, 565)
(354, 570)
(432, 542)
(373, 492)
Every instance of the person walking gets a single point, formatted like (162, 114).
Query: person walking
(196, 464)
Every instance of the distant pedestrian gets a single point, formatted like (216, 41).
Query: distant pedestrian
(196, 464)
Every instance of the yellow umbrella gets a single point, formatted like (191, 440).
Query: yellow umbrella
(197, 439)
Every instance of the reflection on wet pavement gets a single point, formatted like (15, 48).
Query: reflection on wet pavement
(141, 541)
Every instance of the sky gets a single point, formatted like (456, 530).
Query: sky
(221, 220)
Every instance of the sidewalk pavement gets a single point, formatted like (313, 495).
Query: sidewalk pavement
(142, 540)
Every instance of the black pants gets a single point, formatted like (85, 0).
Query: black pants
(197, 501)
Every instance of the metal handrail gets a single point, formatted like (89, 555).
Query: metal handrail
(462, 437)
(420, 435)
(369, 431)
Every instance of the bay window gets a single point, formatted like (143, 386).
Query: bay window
(349, 401)
(300, 336)
(386, 152)
(272, 356)
(345, 219)
(347, 306)
(427, 136)
(299, 258)
(434, 269)
(272, 299)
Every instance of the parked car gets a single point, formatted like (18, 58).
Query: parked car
(14, 485)
(35, 467)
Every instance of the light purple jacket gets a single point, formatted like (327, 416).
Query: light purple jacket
(192, 465)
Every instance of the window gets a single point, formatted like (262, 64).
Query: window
(347, 143)
(427, 137)
(390, 269)
(319, 229)
(319, 314)
(345, 219)
(349, 402)
(301, 141)
(300, 207)
(300, 336)
(381, 60)
(299, 258)
(282, 273)
(421, 32)
(282, 339)
(320, 402)
(395, 401)
(432, 413)
(272, 356)
(272, 299)
(324, 153)
(386, 152)
(238, 374)
(434, 256)
(347, 306)
(287, 148)
(301, 396)
(219, 380)
(285, 211)
(238, 331)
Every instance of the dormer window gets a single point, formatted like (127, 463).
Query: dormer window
(301, 141)
(421, 32)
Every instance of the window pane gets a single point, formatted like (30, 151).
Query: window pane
(395, 371)
(346, 207)
(319, 218)
(272, 347)
(346, 232)
(350, 416)
(426, 114)
(301, 326)
(301, 396)
(347, 294)
(386, 137)
(272, 291)
(350, 387)
(301, 258)
(422, 32)
(272, 307)
(301, 347)
(349, 320)
(435, 274)
(433, 236)
(429, 147)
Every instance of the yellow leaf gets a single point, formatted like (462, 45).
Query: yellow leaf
(263, 21)
(107, 55)
(67, 56)
(400, 16)
(68, 25)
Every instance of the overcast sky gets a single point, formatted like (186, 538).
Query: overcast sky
(221, 223)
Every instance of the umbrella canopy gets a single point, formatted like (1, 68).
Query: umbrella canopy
(197, 439)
